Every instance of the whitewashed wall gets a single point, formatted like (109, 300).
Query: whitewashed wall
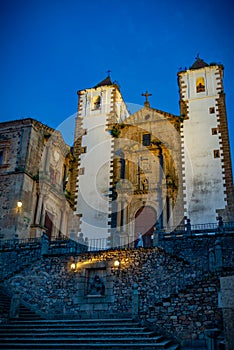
(204, 183)
(93, 202)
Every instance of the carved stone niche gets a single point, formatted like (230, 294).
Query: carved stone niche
(95, 287)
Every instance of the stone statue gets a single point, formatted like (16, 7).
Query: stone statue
(96, 286)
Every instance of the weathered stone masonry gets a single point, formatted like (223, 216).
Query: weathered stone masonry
(182, 299)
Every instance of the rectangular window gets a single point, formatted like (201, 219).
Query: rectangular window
(212, 110)
(81, 171)
(83, 149)
(146, 139)
(214, 131)
(216, 153)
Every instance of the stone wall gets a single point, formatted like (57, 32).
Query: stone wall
(13, 262)
(175, 295)
(227, 303)
(196, 249)
(35, 169)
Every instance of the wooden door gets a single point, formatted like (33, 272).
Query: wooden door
(145, 220)
(49, 224)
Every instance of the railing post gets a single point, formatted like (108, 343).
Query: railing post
(135, 302)
(220, 224)
(188, 227)
(44, 244)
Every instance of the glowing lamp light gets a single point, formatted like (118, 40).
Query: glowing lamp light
(19, 204)
(116, 263)
(73, 266)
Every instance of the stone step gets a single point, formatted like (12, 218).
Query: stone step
(70, 340)
(75, 321)
(89, 346)
(80, 334)
(24, 312)
(83, 328)
(74, 327)
(67, 333)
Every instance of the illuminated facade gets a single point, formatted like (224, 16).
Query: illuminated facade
(207, 170)
(153, 168)
(127, 173)
(98, 108)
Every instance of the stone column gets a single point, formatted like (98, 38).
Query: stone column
(171, 219)
(118, 214)
(125, 212)
(61, 222)
(227, 304)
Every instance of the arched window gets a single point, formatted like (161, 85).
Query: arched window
(200, 84)
(96, 103)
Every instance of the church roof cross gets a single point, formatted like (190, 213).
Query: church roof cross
(146, 94)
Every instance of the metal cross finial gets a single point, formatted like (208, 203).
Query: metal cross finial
(146, 94)
(197, 57)
(108, 72)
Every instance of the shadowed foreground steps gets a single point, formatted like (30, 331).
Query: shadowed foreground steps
(81, 334)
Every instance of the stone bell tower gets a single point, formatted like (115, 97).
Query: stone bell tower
(207, 172)
(98, 108)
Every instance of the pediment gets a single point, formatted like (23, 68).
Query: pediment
(147, 114)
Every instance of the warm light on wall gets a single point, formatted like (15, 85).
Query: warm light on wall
(116, 263)
(73, 266)
(19, 204)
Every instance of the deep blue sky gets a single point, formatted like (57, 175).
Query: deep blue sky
(51, 49)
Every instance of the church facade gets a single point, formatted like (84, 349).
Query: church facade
(126, 174)
(153, 168)
(35, 197)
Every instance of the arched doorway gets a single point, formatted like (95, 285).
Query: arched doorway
(145, 220)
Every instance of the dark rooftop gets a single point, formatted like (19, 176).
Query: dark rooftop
(199, 63)
(106, 81)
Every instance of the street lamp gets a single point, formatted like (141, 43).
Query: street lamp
(73, 266)
(19, 205)
(116, 263)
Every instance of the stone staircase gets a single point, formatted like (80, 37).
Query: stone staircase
(80, 334)
(24, 312)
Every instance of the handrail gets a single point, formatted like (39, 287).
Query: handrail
(63, 244)
(200, 227)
